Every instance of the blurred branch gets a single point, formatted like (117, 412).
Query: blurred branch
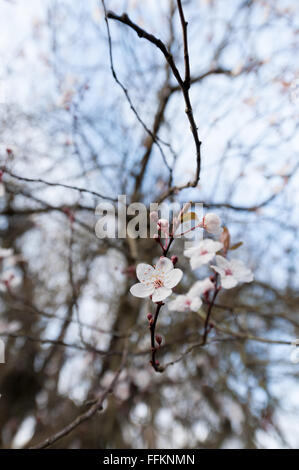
(96, 407)
(61, 343)
(61, 185)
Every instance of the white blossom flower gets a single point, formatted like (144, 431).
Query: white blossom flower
(212, 223)
(202, 252)
(191, 300)
(232, 272)
(156, 282)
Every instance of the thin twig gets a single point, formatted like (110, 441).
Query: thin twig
(184, 85)
(126, 93)
(61, 185)
(154, 363)
(185, 40)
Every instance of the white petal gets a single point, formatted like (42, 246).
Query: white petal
(238, 265)
(160, 294)
(212, 223)
(218, 270)
(207, 285)
(192, 251)
(164, 265)
(205, 245)
(198, 261)
(172, 278)
(215, 246)
(248, 277)
(228, 282)
(210, 245)
(141, 290)
(180, 303)
(144, 272)
(240, 271)
(196, 304)
(200, 287)
(222, 262)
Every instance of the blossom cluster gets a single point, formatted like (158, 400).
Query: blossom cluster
(157, 282)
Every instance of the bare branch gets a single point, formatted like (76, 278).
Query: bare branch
(182, 83)
(97, 406)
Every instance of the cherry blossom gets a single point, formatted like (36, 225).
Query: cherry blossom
(212, 223)
(232, 272)
(156, 281)
(191, 300)
(202, 252)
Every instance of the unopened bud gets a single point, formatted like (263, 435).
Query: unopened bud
(174, 260)
(159, 339)
(149, 316)
(212, 223)
(163, 225)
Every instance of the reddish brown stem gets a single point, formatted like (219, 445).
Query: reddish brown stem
(207, 328)
(153, 323)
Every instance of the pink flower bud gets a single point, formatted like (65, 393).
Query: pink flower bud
(159, 339)
(174, 259)
(163, 225)
(149, 316)
(212, 223)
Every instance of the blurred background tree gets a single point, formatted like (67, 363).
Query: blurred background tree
(74, 135)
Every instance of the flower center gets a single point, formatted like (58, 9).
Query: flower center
(158, 283)
(228, 272)
(204, 252)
